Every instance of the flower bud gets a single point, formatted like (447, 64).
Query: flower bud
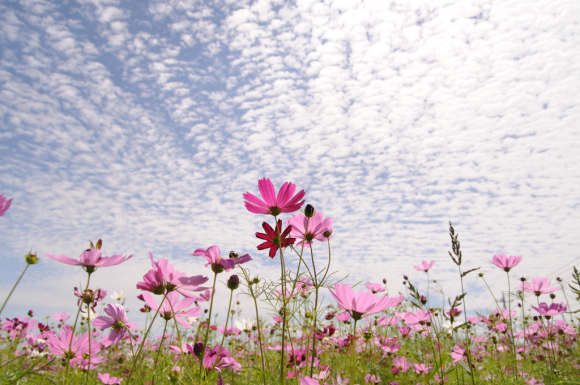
(327, 234)
(30, 313)
(423, 300)
(175, 374)
(309, 211)
(233, 282)
(552, 295)
(198, 349)
(233, 254)
(31, 259)
(256, 280)
(384, 281)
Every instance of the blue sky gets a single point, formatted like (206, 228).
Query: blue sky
(143, 123)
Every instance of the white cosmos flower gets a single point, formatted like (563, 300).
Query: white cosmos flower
(93, 315)
(119, 296)
(245, 324)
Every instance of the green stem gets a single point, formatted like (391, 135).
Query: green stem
(511, 326)
(208, 324)
(282, 361)
(14, 287)
(225, 331)
(159, 351)
(353, 353)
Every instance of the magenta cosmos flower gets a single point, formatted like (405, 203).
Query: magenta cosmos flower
(219, 264)
(275, 239)
(551, 310)
(420, 317)
(117, 320)
(505, 262)
(164, 278)
(274, 205)
(170, 306)
(91, 259)
(425, 266)
(361, 303)
(4, 204)
(308, 229)
(538, 286)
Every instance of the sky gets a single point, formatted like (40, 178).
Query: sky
(143, 123)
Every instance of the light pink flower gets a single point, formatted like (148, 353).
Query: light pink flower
(305, 380)
(170, 303)
(118, 321)
(420, 317)
(425, 266)
(538, 286)
(91, 259)
(79, 348)
(421, 368)
(61, 317)
(362, 303)
(219, 264)
(375, 287)
(550, 310)
(274, 205)
(4, 204)
(505, 262)
(106, 379)
(343, 317)
(458, 352)
(164, 278)
(401, 363)
(309, 229)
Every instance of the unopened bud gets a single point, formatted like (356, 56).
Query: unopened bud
(309, 211)
(256, 280)
(198, 349)
(233, 254)
(552, 295)
(31, 259)
(175, 374)
(327, 234)
(233, 282)
(384, 281)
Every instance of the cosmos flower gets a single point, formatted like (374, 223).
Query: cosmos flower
(117, 320)
(108, 380)
(4, 204)
(361, 303)
(219, 264)
(425, 266)
(163, 278)
(275, 239)
(170, 305)
(375, 287)
(274, 205)
(505, 262)
(550, 310)
(309, 229)
(91, 259)
(538, 286)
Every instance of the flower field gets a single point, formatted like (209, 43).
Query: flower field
(365, 336)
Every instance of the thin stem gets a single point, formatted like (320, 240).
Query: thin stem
(208, 324)
(511, 326)
(283, 272)
(353, 353)
(14, 287)
(159, 351)
(225, 331)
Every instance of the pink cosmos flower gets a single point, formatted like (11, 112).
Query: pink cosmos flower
(401, 364)
(372, 379)
(421, 368)
(170, 303)
(275, 239)
(343, 317)
(360, 304)
(425, 266)
(420, 317)
(551, 310)
(91, 259)
(305, 380)
(505, 262)
(106, 379)
(274, 205)
(211, 359)
(309, 229)
(163, 278)
(219, 264)
(538, 286)
(4, 204)
(458, 352)
(61, 317)
(375, 287)
(118, 321)
(79, 349)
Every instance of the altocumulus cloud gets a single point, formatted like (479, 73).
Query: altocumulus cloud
(142, 123)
